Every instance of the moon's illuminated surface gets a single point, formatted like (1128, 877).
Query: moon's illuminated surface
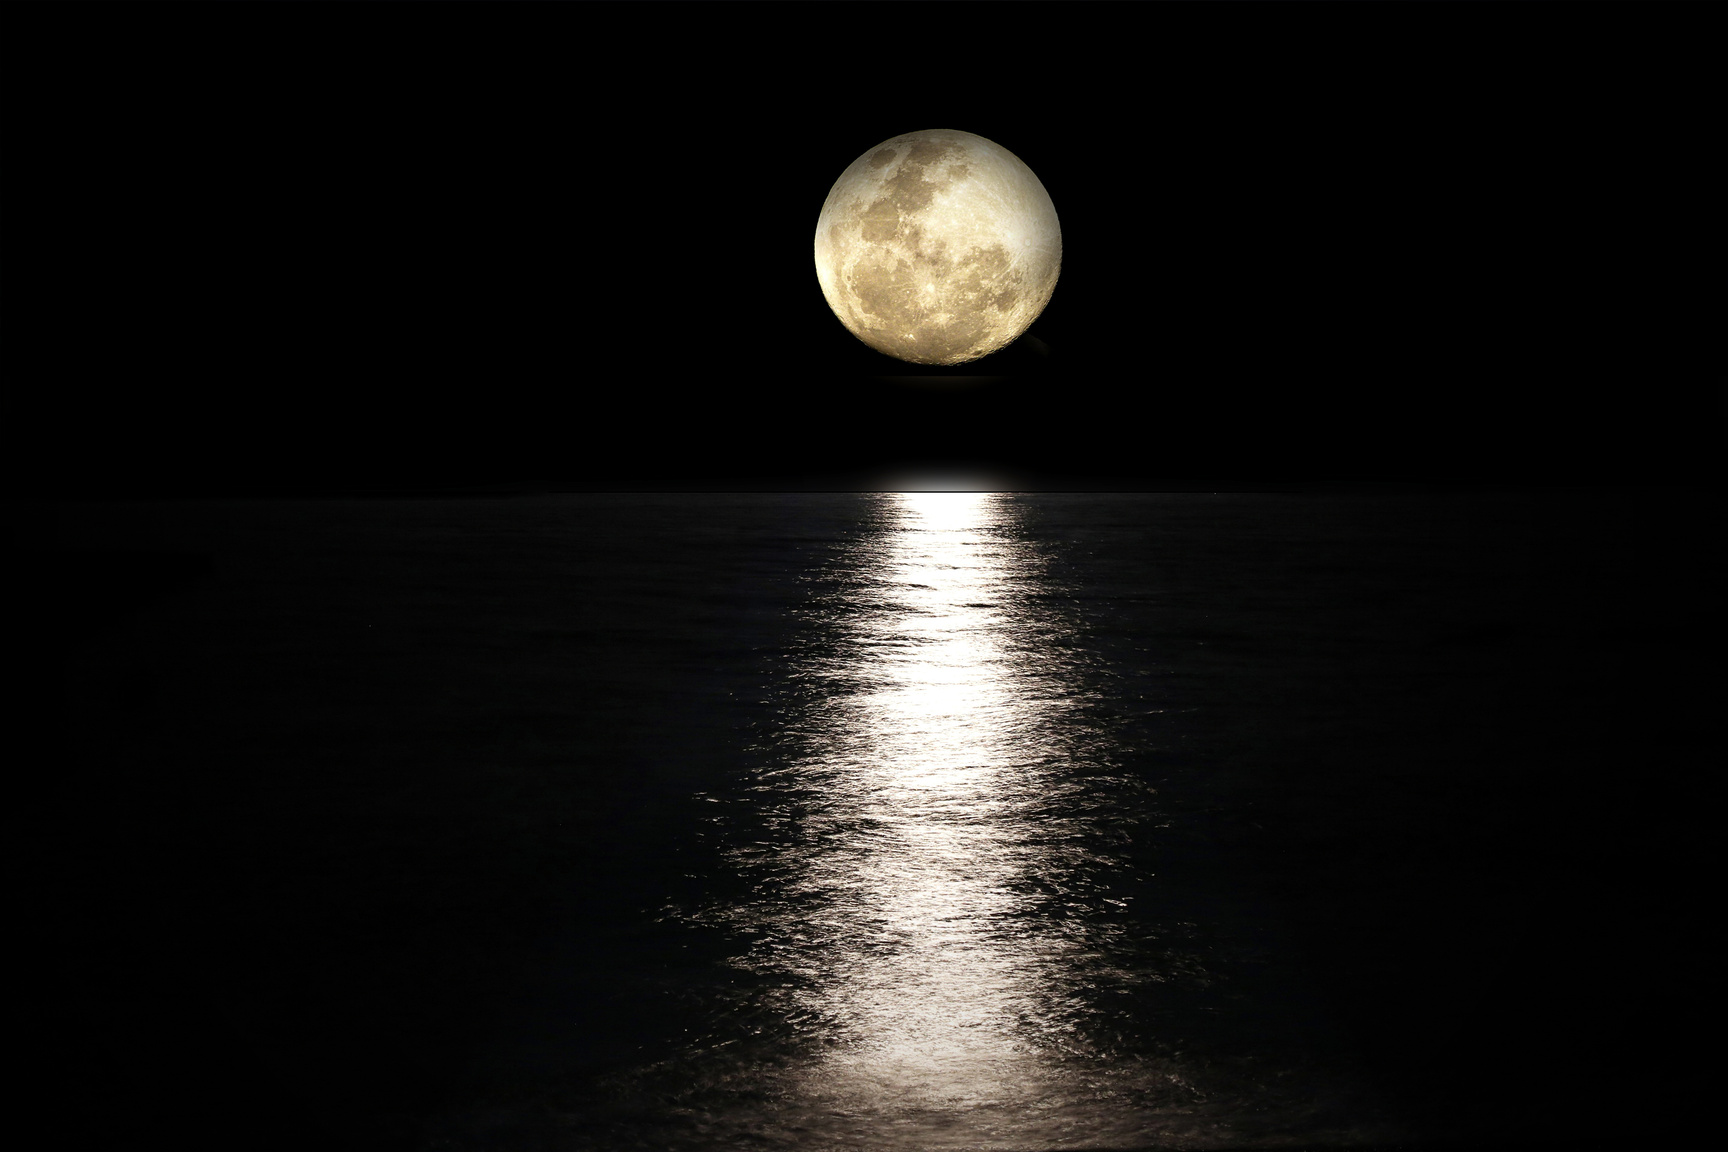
(938, 247)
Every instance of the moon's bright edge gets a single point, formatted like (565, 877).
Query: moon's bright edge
(938, 247)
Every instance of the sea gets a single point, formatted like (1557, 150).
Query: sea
(918, 820)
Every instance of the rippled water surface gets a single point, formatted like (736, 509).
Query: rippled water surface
(871, 821)
(934, 883)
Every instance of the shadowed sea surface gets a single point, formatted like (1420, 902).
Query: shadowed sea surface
(880, 821)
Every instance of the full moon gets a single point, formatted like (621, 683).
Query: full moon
(938, 247)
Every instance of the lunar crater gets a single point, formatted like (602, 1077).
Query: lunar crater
(938, 247)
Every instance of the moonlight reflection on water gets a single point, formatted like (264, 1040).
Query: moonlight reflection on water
(938, 966)
(929, 903)
(932, 895)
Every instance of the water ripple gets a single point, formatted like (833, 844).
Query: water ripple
(930, 902)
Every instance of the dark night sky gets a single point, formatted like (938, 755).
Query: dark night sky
(306, 247)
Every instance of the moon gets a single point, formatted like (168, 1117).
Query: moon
(938, 247)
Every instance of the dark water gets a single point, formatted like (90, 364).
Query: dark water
(937, 820)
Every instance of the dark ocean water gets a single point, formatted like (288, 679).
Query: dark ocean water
(877, 821)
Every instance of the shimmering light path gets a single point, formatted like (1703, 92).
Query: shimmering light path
(925, 882)
(945, 946)
(927, 916)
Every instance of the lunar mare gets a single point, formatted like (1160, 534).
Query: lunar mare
(938, 247)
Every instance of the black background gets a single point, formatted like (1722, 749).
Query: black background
(326, 249)
(296, 248)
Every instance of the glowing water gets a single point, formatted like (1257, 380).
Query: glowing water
(940, 925)
(918, 900)
(926, 917)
